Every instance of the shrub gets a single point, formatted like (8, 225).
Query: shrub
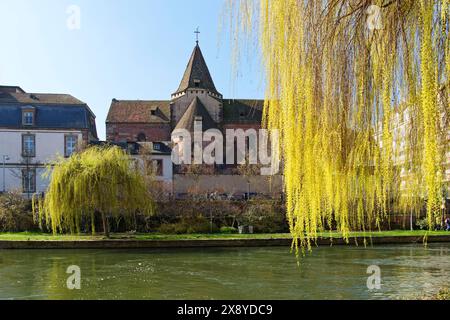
(265, 217)
(422, 224)
(228, 230)
(188, 225)
(172, 228)
(194, 216)
(15, 213)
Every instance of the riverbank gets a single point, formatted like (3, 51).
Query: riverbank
(148, 241)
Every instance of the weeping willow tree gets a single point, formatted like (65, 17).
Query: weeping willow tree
(95, 184)
(358, 92)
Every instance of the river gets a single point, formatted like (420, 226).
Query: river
(339, 272)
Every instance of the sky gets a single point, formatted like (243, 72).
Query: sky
(97, 50)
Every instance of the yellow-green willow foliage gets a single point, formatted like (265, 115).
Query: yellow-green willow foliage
(357, 104)
(93, 184)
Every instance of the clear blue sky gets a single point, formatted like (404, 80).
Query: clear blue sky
(125, 49)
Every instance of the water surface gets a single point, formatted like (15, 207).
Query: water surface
(407, 271)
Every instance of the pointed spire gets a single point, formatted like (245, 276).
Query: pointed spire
(197, 74)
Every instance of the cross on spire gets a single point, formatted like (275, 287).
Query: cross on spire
(197, 32)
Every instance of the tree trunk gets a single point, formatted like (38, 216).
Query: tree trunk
(411, 221)
(105, 225)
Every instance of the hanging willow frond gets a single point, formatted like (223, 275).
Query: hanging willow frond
(356, 104)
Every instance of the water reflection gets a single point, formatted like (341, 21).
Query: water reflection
(241, 273)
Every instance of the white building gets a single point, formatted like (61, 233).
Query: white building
(35, 129)
(158, 162)
(400, 130)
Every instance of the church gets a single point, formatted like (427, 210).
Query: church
(153, 121)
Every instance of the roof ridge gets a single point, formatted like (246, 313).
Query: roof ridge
(242, 99)
(46, 93)
(135, 100)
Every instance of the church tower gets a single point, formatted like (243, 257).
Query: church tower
(197, 95)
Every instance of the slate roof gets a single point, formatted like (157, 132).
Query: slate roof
(137, 111)
(52, 111)
(38, 98)
(11, 89)
(242, 111)
(197, 70)
(196, 109)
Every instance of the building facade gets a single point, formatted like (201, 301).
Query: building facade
(35, 129)
(197, 98)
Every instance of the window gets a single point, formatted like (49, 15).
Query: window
(158, 167)
(70, 145)
(29, 180)
(156, 146)
(28, 118)
(154, 167)
(28, 145)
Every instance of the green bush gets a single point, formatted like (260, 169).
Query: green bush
(172, 228)
(265, 217)
(422, 224)
(194, 216)
(228, 230)
(188, 225)
(15, 214)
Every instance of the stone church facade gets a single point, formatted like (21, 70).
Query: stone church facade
(139, 121)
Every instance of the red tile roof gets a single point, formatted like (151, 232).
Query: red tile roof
(137, 111)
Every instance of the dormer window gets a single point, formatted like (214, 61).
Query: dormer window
(197, 83)
(154, 110)
(28, 117)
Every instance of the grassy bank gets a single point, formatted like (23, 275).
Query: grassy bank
(28, 236)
